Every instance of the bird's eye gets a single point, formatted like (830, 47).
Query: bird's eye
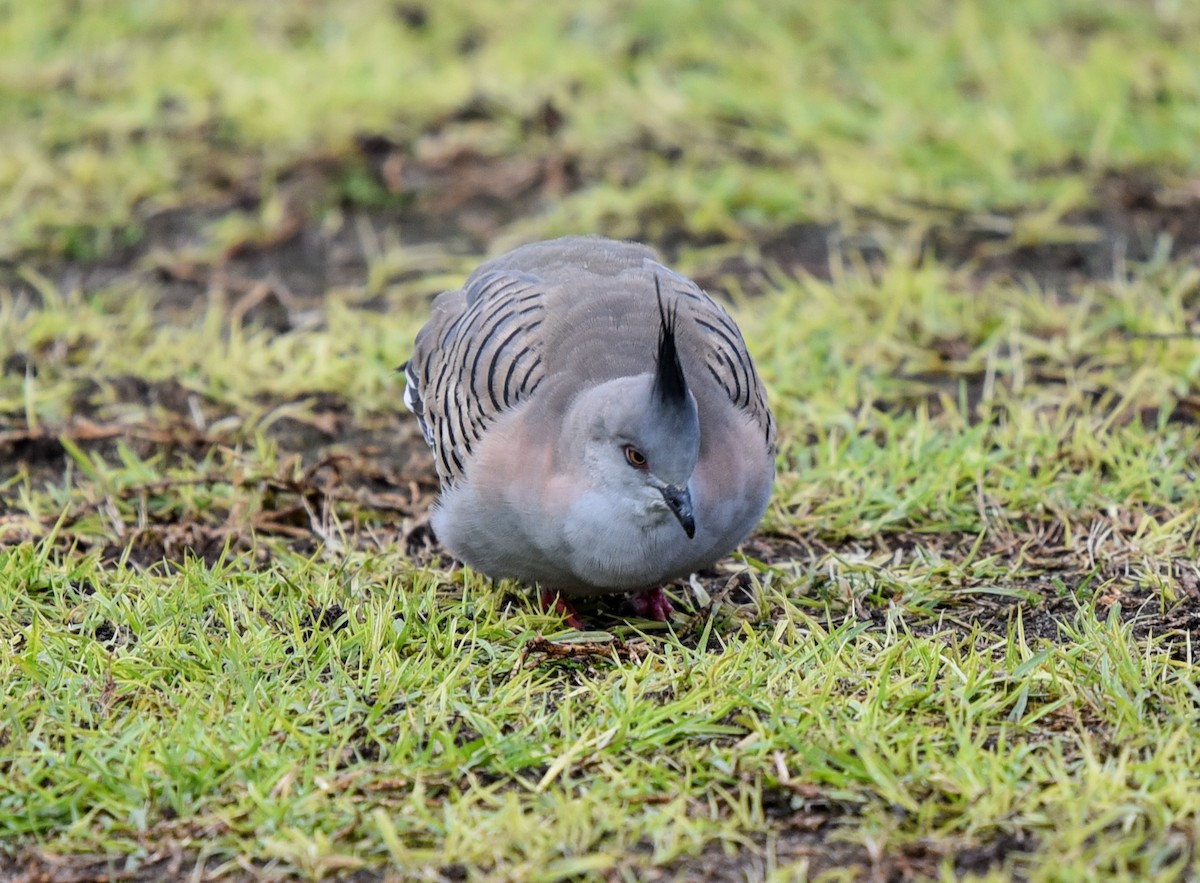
(634, 457)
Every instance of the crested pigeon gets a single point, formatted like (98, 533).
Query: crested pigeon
(596, 422)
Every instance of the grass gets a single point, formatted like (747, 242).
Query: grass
(207, 710)
(350, 708)
(408, 729)
(959, 646)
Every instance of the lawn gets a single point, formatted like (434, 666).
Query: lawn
(963, 243)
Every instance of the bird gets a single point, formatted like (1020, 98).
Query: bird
(596, 422)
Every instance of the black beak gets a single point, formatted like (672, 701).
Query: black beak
(680, 502)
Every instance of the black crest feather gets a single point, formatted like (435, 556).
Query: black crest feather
(670, 386)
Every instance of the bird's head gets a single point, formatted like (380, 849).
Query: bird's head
(643, 435)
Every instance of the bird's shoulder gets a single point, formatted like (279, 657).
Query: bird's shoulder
(716, 345)
(479, 355)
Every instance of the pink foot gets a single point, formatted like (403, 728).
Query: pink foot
(553, 602)
(652, 604)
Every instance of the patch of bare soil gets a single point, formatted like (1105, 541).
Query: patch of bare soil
(1133, 218)
(439, 191)
(801, 837)
(169, 862)
(453, 197)
(813, 841)
(333, 473)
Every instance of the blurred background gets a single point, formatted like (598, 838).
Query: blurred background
(355, 143)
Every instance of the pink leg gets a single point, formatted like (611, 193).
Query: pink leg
(553, 602)
(653, 604)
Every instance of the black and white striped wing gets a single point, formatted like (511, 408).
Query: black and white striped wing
(726, 357)
(728, 361)
(478, 356)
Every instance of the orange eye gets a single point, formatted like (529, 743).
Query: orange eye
(635, 457)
